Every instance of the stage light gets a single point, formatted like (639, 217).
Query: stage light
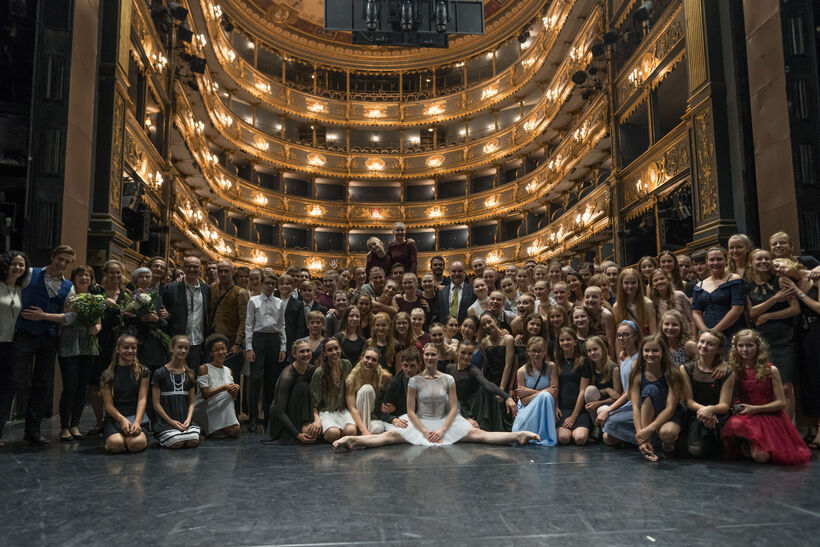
(579, 77)
(177, 11)
(184, 33)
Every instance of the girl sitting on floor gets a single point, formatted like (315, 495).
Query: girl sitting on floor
(124, 390)
(759, 423)
(174, 388)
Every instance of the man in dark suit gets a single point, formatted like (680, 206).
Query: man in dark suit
(187, 303)
(456, 297)
(295, 322)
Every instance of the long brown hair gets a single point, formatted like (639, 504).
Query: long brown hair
(390, 340)
(107, 377)
(609, 364)
(578, 358)
(327, 378)
(621, 307)
(528, 365)
(670, 372)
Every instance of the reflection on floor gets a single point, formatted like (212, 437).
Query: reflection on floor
(244, 492)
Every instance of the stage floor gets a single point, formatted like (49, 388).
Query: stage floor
(244, 492)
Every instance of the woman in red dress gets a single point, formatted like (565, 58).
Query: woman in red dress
(759, 420)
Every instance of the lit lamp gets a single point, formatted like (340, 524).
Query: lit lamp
(493, 257)
(435, 212)
(259, 257)
(260, 200)
(435, 161)
(314, 263)
(374, 164)
(491, 202)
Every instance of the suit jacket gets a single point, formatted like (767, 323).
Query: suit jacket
(175, 297)
(228, 313)
(443, 302)
(295, 322)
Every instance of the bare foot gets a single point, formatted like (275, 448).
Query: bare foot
(526, 436)
(348, 443)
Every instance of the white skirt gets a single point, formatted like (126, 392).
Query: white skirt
(455, 433)
(215, 413)
(338, 419)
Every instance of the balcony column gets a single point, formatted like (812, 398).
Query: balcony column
(708, 115)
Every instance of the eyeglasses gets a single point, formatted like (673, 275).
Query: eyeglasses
(624, 335)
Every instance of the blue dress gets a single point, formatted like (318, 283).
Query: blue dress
(716, 304)
(539, 415)
(620, 423)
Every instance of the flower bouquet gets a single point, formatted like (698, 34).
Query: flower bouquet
(141, 303)
(89, 309)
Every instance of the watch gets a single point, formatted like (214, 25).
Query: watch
(801, 295)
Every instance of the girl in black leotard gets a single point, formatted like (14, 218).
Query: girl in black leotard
(499, 352)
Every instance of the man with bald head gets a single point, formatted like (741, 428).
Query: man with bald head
(455, 298)
(229, 305)
(188, 302)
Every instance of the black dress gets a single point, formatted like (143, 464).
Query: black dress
(151, 352)
(810, 370)
(125, 390)
(569, 386)
(778, 333)
(351, 349)
(495, 358)
(705, 391)
(292, 405)
(598, 379)
(396, 395)
(111, 329)
(477, 399)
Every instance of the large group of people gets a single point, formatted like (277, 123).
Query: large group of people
(703, 355)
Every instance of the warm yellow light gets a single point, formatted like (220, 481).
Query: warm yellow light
(435, 161)
(314, 263)
(434, 109)
(260, 200)
(435, 212)
(374, 164)
(263, 87)
(224, 183)
(259, 257)
(535, 248)
(493, 257)
(317, 107)
(316, 211)
(529, 125)
(491, 202)
(531, 186)
(491, 146)
(550, 21)
(230, 55)
(528, 62)
(374, 113)
(376, 214)
(316, 160)
(261, 144)
(199, 127)
(489, 92)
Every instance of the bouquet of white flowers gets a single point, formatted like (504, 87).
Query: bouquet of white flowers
(141, 303)
(89, 309)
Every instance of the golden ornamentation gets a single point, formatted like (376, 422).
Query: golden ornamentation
(316, 159)
(115, 174)
(314, 263)
(434, 161)
(493, 257)
(490, 147)
(705, 154)
(435, 212)
(317, 211)
(374, 164)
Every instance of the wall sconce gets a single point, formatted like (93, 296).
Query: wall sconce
(490, 147)
(531, 186)
(314, 263)
(259, 257)
(435, 212)
(493, 257)
(635, 78)
(435, 161)
(374, 164)
(550, 21)
(535, 248)
(260, 200)
(318, 108)
(491, 202)
(376, 214)
(155, 180)
(199, 127)
(489, 92)
(223, 248)
(224, 183)
(374, 113)
(316, 211)
(263, 87)
(528, 62)
(434, 109)
(316, 160)
(262, 144)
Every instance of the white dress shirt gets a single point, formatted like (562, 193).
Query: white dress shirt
(195, 327)
(265, 314)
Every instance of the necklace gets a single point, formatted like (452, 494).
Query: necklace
(12, 292)
(178, 386)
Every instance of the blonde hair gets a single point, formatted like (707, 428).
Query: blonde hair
(761, 366)
(530, 343)
(608, 362)
(355, 380)
(107, 377)
(732, 267)
(621, 306)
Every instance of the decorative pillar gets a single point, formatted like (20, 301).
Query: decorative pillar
(107, 236)
(707, 112)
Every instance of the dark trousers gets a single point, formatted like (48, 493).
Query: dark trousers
(264, 371)
(43, 349)
(196, 357)
(75, 372)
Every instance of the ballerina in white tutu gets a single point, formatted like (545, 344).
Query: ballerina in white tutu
(437, 421)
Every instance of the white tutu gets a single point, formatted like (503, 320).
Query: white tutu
(458, 429)
(338, 419)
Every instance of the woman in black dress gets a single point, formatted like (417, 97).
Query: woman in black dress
(479, 400)
(113, 288)
(499, 352)
(124, 388)
(349, 335)
(574, 375)
(293, 419)
(772, 309)
(152, 352)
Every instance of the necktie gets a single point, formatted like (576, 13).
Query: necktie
(454, 303)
